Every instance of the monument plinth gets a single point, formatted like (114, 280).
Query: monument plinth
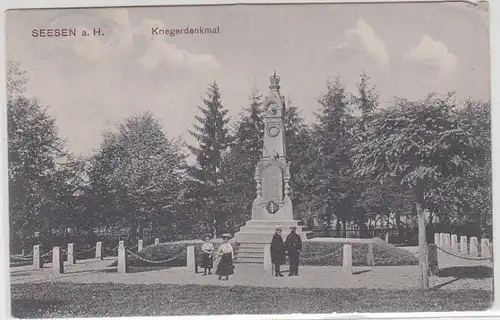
(272, 206)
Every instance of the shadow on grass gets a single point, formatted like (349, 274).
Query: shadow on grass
(474, 272)
(19, 274)
(361, 272)
(439, 286)
(133, 269)
(90, 271)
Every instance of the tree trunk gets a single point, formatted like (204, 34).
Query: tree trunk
(478, 232)
(397, 220)
(141, 228)
(422, 245)
(133, 230)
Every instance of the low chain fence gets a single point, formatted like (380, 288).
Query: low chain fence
(136, 256)
(461, 256)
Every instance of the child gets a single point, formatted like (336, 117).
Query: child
(225, 266)
(207, 261)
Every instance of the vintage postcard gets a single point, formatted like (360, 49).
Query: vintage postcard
(249, 159)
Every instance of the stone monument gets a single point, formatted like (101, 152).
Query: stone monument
(272, 206)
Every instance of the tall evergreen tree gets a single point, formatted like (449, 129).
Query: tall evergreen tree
(367, 100)
(333, 138)
(240, 162)
(299, 144)
(368, 192)
(212, 135)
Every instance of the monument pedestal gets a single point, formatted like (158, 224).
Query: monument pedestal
(262, 231)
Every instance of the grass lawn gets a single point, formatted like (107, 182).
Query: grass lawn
(45, 300)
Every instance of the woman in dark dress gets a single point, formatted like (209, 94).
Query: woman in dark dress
(278, 256)
(207, 259)
(225, 266)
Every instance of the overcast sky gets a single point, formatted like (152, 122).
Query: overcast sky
(90, 84)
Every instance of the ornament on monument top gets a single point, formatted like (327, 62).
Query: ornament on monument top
(272, 207)
(275, 81)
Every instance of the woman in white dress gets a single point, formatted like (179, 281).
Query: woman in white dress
(207, 260)
(225, 266)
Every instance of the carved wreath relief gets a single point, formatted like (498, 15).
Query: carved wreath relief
(272, 207)
(273, 128)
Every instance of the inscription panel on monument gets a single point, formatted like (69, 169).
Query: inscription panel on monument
(272, 186)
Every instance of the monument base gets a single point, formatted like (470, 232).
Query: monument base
(262, 231)
(255, 234)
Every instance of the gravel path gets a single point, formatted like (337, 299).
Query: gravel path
(398, 277)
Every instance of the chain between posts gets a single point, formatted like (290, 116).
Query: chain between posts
(19, 258)
(47, 253)
(151, 261)
(464, 257)
(322, 256)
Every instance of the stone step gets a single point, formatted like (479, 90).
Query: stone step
(249, 255)
(270, 228)
(256, 260)
(251, 250)
(256, 237)
(251, 245)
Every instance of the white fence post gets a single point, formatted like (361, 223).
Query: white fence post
(437, 239)
(37, 257)
(122, 258)
(191, 259)
(267, 257)
(98, 250)
(473, 247)
(454, 243)
(369, 255)
(485, 248)
(448, 240)
(347, 259)
(57, 261)
(71, 253)
(463, 245)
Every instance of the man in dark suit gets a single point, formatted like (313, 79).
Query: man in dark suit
(293, 246)
(278, 256)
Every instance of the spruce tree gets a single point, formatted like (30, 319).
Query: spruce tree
(241, 160)
(367, 99)
(366, 103)
(332, 138)
(300, 155)
(212, 134)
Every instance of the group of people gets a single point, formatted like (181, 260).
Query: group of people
(225, 268)
(279, 250)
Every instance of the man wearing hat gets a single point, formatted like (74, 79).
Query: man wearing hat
(293, 245)
(278, 256)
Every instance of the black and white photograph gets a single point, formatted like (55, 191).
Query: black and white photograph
(249, 159)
